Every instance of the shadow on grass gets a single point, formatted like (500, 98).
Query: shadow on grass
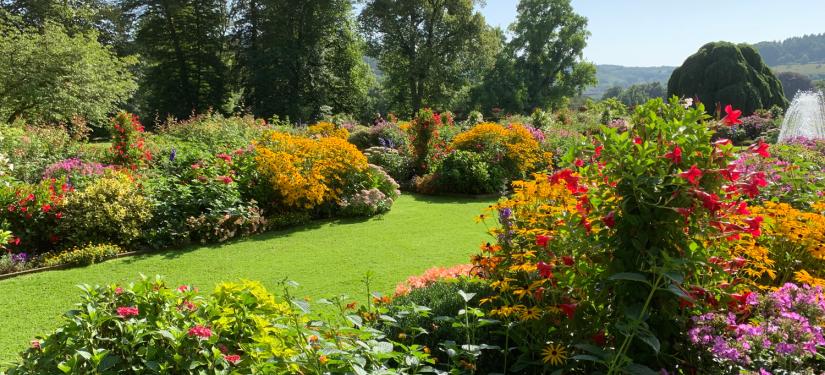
(453, 198)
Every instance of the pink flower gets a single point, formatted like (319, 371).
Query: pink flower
(36, 344)
(118, 290)
(579, 163)
(692, 175)
(232, 358)
(569, 309)
(125, 311)
(183, 288)
(225, 157)
(200, 331)
(225, 179)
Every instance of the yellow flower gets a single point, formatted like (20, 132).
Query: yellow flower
(554, 354)
(532, 313)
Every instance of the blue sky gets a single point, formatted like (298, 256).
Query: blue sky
(666, 32)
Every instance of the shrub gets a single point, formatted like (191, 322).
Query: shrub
(32, 149)
(34, 213)
(514, 147)
(240, 329)
(376, 197)
(109, 209)
(779, 332)
(306, 173)
(236, 221)
(328, 129)
(82, 255)
(10, 263)
(75, 171)
(128, 143)
(395, 163)
(467, 172)
(215, 132)
(424, 139)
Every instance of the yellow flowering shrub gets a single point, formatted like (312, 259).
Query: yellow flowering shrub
(328, 129)
(513, 145)
(304, 172)
(790, 248)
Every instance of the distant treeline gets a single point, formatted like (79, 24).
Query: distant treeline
(797, 50)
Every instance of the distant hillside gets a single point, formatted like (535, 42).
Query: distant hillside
(808, 49)
(624, 76)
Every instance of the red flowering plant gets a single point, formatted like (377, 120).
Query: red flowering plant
(33, 213)
(426, 143)
(128, 144)
(622, 241)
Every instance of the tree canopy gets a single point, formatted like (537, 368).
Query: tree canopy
(725, 73)
(49, 76)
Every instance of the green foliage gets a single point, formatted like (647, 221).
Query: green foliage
(31, 149)
(726, 73)
(82, 255)
(637, 94)
(542, 62)
(793, 83)
(52, 77)
(468, 172)
(239, 328)
(614, 78)
(396, 164)
(296, 56)
(215, 132)
(111, 209)
(797, 50)
(182, 44)
(428, 51)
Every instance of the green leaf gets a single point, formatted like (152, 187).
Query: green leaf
(679, 292)
(648, 338)
(637, 369)
(629, 276)
(675, 277)
(303, 305)
(586, 357)
(466, 296)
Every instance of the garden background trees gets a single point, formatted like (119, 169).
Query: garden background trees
(542, 63)
(724, 73)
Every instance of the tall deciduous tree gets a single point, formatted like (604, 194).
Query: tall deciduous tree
(295, 56)
(49, 76)
(184, 44)
(543, 62)
(425, 48)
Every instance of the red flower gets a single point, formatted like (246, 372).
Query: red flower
(732, 117)
(754, 226)
(568, 260)
(232, 358)
(545, 270)
(541, 240)
(692, 175)
(200, 331)
(731, 173)
(637, 140)
(579, 163)
(609, 220)
(675, 156)
(125, 312)
(709, 201)
(742, 209)
(46, 207)
(225, 179)
(183, 288)
(757, 180)
(761, 148)
(15, 241)
(598, 151)
(58, 215)
(722, 142)
(569, 309)
(600, 338)
(587, 226)
(225, 157)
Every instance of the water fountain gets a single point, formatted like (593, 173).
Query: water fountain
(805, 117)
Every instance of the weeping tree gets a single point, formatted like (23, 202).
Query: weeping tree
(725, 73)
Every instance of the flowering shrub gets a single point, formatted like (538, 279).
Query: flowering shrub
(751, 129)
(128, 144)
(780, 332)
(383, 134)
(433, 275)
(622, 242)
(306, 173)
(327, 129)
(74, 171)
(34, 213)
(81, 255)
(795, 172)
(395, 163)
(426, 144)
(30, 149)
(239, 329)
(514, 148)
(111, 209)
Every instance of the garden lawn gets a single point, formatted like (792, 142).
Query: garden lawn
(326, 258)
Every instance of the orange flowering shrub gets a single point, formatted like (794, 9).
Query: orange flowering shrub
(791, 246)
(327, 129)
(306, 173)
(432, 275)
(513, 146)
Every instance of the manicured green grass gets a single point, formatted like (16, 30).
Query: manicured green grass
(326, 258)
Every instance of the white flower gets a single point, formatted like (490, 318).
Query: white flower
(687, 102)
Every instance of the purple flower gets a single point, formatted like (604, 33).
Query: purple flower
(172, 154)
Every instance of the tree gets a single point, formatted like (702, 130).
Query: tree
(50, 77)
(724, 73)
(612, 92)
(295, 56)
(183, 43)
(819, 85)
(543, 63)
(640, 93)
(794, 82)
(427, 49)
